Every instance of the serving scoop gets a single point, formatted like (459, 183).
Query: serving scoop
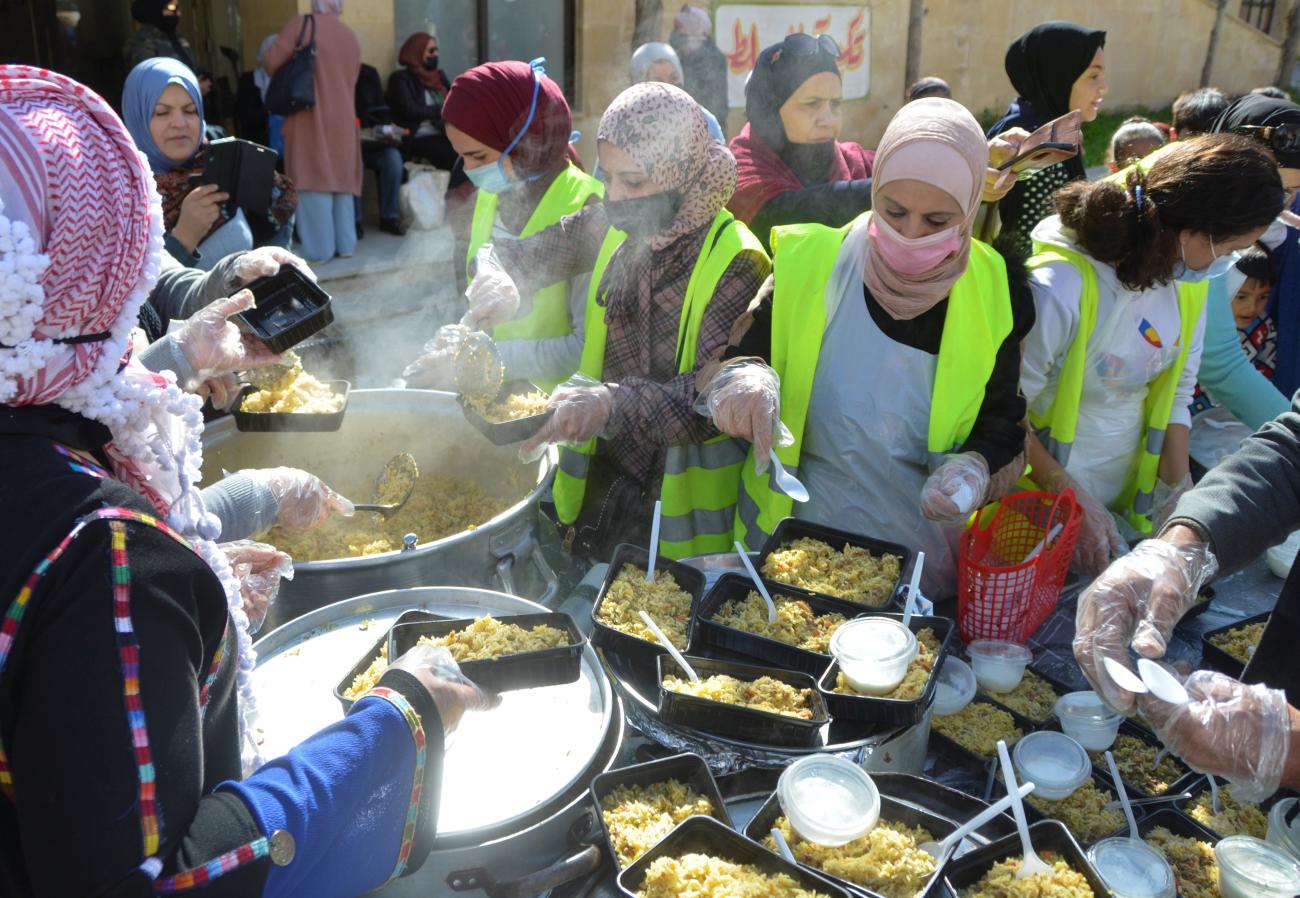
(396, 481)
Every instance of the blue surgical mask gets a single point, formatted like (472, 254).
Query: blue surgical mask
(1221, 265)
(491, 178)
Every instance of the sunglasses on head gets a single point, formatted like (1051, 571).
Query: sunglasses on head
(800, 43)
(1284, 138)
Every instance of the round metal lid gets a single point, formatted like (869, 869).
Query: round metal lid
(501, 767)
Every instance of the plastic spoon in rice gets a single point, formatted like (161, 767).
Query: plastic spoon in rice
(912, 588)
(1030, 862)
(758, 582)
(938, 850)
(672, 649)
(1144, 802)
(1123, 795)
(782, 846)
(1216, 803)
(654, 542)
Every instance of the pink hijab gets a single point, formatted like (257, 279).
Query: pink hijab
(939, 142)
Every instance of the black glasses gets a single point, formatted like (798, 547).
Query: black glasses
(800, 43)
(1284, 138)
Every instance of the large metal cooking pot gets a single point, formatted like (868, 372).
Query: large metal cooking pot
(514, 783)
(378, 425)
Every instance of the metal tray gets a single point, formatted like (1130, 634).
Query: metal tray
(359, 668)
(688, 768)
(791, 529)
(297, 422)
(642, 652)
(290, 307)
(525, 670)
(761, 648)
(1216, 658)
(505, 433)
(1048, 835)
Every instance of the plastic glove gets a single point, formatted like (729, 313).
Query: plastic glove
(1137, 602)
(744, 400)
(493, 296)
(304, 501)
(264, 262)
(435, 369)
(956, 488)
(1004, 146)
(221, 391)
(1099, 538)
(1230, 729)
(260, 568)
(1166, 499)
(450, 689)
(214, 346)
(582, 408)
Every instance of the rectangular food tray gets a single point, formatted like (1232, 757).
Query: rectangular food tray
(738, 586)
(791, 529)
(290, 307)
(1034, 814)
(1047, 835)
(689, 769)
(525, 670)
(642, 652)
(1216, 658)
(1200, 785)
(957, 750)
(1056, 686)
(1129, 728)
(890, 809)
(506, 433)
(299, 422)
(1177, 823)
(735, 721)
(902, 712)
(704, 835)
(360, 667)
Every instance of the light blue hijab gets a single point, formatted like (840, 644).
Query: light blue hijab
(144, 86)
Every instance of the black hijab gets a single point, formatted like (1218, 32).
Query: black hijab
(150, 12)
(1259, 110)
(1045, 61)
(775, 78)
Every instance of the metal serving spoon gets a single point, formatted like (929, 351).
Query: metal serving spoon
(400, 472)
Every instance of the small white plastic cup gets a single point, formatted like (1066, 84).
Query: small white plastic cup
(828, 800)
(873, 653)
(954, 688)
(1132, 869)
(999, 665)
(1252, 868)
(1055, 763)
(1086, 718)
(1279, 834)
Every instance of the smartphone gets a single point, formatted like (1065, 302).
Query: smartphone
(1040, 156)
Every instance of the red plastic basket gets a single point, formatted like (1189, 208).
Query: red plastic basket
(1001, 592)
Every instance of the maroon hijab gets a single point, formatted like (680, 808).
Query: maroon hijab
(762, 174)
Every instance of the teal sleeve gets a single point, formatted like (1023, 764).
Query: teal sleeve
(1225, 371)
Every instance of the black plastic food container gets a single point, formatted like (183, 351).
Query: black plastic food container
(300, 422)
(1128, 728)
(359, 668)
(1216, 658)
(506, 433)
(791, 529)
(642, 652)
(1048, 835)
(290, 308)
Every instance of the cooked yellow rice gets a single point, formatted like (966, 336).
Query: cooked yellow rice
(796, 623)
(663, 600)
(978, 727)
(1134, 759)
(1033, 698)
(1083, 812)
(1241, 642)
(1239, 818)
(1001, 882)
(398, 476)
(702, 876)
(295, 391)
(886, 860)
(366, 680)
(763, 694)
(854, 574)
(637, 817)
(511, 408)
(1196, 872)
(918, 672)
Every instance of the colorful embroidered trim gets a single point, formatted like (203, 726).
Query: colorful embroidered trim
(231, 860)
(417, 783)
(81, 462)
(212, 671)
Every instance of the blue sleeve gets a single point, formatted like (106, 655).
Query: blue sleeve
(179, 252)
(1225, 371)
(344, 795)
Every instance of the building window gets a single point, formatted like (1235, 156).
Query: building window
(1259, 13)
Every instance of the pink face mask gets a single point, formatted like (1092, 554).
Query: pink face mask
(912, 255)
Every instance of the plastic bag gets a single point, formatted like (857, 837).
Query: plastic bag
(422, 199)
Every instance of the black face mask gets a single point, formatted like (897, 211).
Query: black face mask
(432, 63)
(811, 162)
(644, 216)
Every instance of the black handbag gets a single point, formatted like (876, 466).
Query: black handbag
(293, 86)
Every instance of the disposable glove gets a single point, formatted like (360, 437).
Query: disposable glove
(1165, 499)
(214, 346)
(744, 400)
(303, 500)
(956, 488)
(582, 408)
(266, 261)
(260, 568)
(450, 689)
(493, 296)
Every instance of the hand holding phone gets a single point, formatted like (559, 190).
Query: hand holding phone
(1054, 142)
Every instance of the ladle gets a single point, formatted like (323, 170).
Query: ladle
(402, 463)
(758, 582)
(672, 649)
(1030, 862)
(480, 371)
(789, 484)
(938, 850)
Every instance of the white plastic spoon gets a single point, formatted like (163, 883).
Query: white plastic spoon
(1123, 795)
(1144, 802)
(654, 542)
(672, 649)
(1044, 542)
(789, 484)
(912, 589)
(1124, 678)
(1162, 683)
(782, 846)
(938, 850)
(758, 582)
(1215, 801)
(1030, 862)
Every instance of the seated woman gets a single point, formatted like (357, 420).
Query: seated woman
(416, 93)
(1119, 285)
(164, 112)
(898, 381)
(137, 623)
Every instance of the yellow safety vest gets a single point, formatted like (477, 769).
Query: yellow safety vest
(700, 480)
(1056, 428)
(978, 320)
(549, 317)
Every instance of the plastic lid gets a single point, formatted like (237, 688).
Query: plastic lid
(1085, 706)
(1259, 863)
(828, 800)
(1000, 650)
(954, 686)
(1052, 760)
(879, 639)
(1132, 869)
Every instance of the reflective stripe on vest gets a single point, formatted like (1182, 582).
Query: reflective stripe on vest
(1056, 427)
(700, 482)
(978, 320)
(549, 317)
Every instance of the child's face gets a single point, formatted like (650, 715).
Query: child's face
(1250, 301)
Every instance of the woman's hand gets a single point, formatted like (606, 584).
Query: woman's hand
(266, 261)
(214, 346)
(1002, 148)
(956, 488)
(744, 400)
(200, 210)
(451, 690)
(303, 500)
(580, 414)
(259, 568)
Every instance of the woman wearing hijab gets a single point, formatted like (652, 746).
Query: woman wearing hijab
(1119, 280)
(164, 112)
(157, 35)
(322, 145)
(1055, 68)
(898, 383)
(121, 606)
(416, 93)
(703, 64)
(511, 125)
(657, 61)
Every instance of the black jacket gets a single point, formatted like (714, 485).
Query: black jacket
(406, 98)
(372, 107)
